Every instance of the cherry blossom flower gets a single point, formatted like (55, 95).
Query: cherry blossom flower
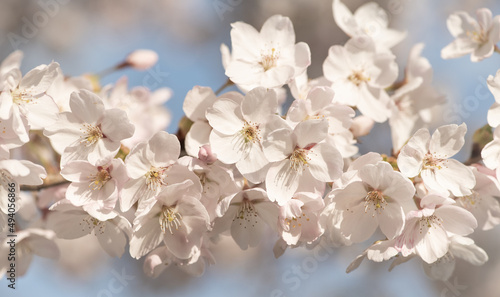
(111, 230)
(238, 130)
(269, 58)
(299, 218)
(26, 97)
(151, 166)
(301, 157)
(95, 187)
(376, 200)
(360, 74)
(493, 116)
(429, 157)
(176, 217)
(370, 20)
(475, 37)
(247, 214)
(142, 59)
(89, 132)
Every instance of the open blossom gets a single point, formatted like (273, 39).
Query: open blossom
(430, 157)
(475, 37)
(369, 19)
(304, 157)
(269, 58)
(152, 166)
(95, 187)
(89, 132)
(299, 218)
(377, 199)
(359, 75)
(112, 230)
(26, 97)
(175, 217)
(238, 130)
(248, 213)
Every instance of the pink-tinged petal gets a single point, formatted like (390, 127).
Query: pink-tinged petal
(118, 172)
(146, 237)
(464, 248)
(35, 176)
(448, 140)
(358, 224)
(320, 97)
(163, 149)
(197, 137)
(86, 106)
(112, 239)
(65, 132)
(197, 101)
(78, 171)
(5, 105)
(325, 162)
(282, 182)
(433, 245)
(258, 105)
(226, 147)
(311, 132)
(116, 125)
(277, 143)
(42, 112)
(453, 176)
(391, 220)
(253, 166)
(456, 219)
(225, 116)
(278, 30)
(410, 159)
(38, 80)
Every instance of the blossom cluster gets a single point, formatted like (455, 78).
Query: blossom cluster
(244, 165)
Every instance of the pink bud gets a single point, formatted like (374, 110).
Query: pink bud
(205, 154)
(142, 59)
(361, 126)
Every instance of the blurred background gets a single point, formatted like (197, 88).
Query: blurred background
(89, 36)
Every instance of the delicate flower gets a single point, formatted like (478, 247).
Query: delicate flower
(429, 157)
(269, 58)
(95, 187)
(360, 74)
(370, 20)
(477, 38)
(304, 157)
(142, 59)
(89, 132)
(177, 218)
(247, 214)
(238, 130)
(299, 218)
(376, 200)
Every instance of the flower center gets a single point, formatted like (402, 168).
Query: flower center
(91, 223)
(296, 221)
(431, 162)
(376, 199)
(100, 178)
(154, 178)
(246, 212)
(429, 222)
(357, 77)
(250, 132)
(169, 219)
(477, 37)
(470, 201)
(21, 96)
(269, 60)
(92, 134)
(298, 159)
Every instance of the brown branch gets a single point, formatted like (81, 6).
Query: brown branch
(43, 186)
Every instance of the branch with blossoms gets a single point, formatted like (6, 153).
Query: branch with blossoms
(248, 165)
